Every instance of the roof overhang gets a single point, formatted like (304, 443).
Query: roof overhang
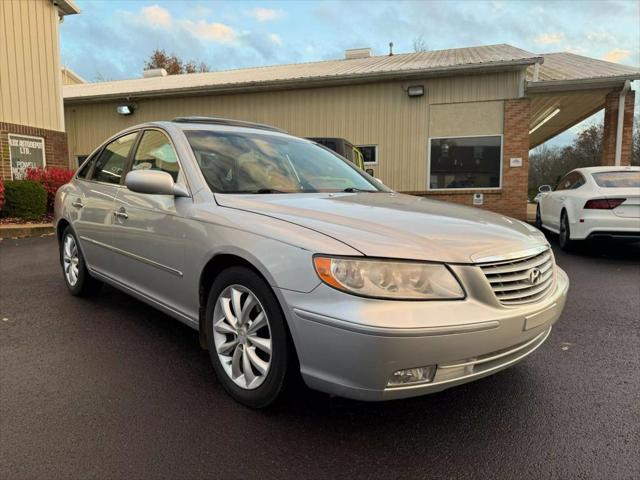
(547, 86)
(313, 82)
(66, 7)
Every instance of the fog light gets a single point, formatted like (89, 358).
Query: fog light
(409, 376)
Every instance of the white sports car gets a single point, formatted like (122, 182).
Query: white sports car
(592, 202)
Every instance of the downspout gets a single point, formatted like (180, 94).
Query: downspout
(623, 95)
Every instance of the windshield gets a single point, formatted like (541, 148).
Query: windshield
(620, 179)
(263, 163)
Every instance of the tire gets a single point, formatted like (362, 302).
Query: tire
(238, 350)
(74, 270)
(564, 237)
(538, 218)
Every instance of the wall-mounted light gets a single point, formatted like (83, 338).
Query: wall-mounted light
(125, 109)
(415, 90)
(545, 120)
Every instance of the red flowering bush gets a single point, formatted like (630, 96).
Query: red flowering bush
(51, 178)
(1, 193)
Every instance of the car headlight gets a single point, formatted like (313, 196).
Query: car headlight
(394, 279)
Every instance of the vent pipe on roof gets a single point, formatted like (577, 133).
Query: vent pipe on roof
(154, 72)
(352, 53)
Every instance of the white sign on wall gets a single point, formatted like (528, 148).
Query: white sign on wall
(25, 152)
(515, 162)
(478, 198)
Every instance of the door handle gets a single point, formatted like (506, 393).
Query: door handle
(77, 203)
(121, 214)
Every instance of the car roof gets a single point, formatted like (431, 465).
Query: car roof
(610, 168)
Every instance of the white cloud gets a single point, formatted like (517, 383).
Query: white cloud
(218, 32)
(549, 38)
(160, 18)
(156, 16)
(616, 55)
(265, 14)
(275, 39)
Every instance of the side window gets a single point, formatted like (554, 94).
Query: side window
(578, 181)
(84, 171)
(565, 183)
(112, 161)
(155, 152)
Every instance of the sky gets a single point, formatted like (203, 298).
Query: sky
(110, 40)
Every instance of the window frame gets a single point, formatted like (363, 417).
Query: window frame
(92, 158)
(134, 150)
(468, 189)
(375, 147)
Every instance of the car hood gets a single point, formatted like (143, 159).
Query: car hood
(393, 225)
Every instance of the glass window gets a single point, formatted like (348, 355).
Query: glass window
(155, 152)
(113, 160)
(262, 163)
(370, 153)
(467, 162)
(621, 179)
(570, 181)
(82, 173)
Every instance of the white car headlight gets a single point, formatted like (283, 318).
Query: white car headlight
(392, 279)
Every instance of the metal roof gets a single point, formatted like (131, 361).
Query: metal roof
(566, 70)
(438, 62)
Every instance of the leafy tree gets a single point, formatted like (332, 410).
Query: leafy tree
(173, 64)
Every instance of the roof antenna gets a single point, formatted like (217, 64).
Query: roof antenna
(391, 49)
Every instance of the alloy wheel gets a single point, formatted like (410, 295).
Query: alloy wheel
(564, 231)
(70, 259)
(242, 336)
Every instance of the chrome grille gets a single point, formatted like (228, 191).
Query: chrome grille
(511, 279)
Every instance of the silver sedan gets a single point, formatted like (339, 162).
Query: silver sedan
(289, 260)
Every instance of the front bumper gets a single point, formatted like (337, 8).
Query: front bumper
(350, 346)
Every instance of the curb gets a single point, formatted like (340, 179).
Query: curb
(26, 230)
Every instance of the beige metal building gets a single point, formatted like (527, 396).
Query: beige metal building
(454, 124)
(32, 130)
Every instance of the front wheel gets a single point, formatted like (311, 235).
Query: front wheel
(247, 337)
(564, 238)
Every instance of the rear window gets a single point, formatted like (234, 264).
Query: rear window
(618, 179)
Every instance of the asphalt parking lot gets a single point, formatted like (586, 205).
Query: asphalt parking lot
(110, 388)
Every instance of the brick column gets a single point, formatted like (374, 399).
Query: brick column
(515, 180)
(611, 128)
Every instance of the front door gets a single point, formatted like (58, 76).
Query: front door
(150, 231)
(95, 203)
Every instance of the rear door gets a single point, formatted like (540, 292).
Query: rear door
(96, 200)
(151, 231)
(555, 200)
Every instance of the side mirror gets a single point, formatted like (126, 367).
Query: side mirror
(544, 188)
(154, 182)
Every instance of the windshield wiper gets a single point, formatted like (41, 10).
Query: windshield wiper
(354, 190)
(268, 190)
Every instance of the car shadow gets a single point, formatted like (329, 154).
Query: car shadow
(599, 248)
(510, 390)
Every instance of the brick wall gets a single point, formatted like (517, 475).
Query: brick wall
(55, 146)
(611, 128)
(511, 199)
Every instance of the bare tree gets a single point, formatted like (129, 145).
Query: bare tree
(420, 44)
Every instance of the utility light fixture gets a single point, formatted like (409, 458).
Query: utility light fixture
(415, 90)
(125, 109)
(545, 120)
